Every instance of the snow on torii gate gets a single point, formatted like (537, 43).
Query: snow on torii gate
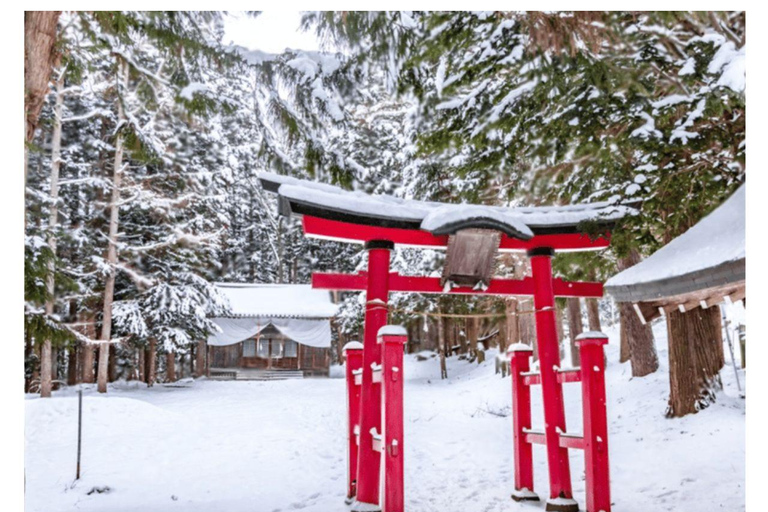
(380, 222)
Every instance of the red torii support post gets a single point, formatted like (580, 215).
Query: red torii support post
(353, 353)
(392, 339)
(560, 493)
(519, 365)
(378, 282)
(376, 310)
(593, 398)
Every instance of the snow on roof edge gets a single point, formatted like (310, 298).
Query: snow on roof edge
(380, 207)
(717, 239)
(277, 300)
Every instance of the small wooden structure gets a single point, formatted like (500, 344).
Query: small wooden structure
(273, 331)
(684, 282)
(703, 267)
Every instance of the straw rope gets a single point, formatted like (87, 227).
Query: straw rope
(390, 309)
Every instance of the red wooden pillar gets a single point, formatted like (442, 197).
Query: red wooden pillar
(369, 460)
(519, 363)
(353, 353)
(595, 421)
(392, 339)
(560, 493)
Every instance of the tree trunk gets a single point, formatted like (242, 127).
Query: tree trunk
(87, 365)
(29, 350)
(624, 353)
(40, 57)
(45, 369)
(72, 370)
(142, 364)
(342, 340)
(513, 324)
(441, 343)
(575, 327)
(112, 368)
(86, 349)
(695, 359)
(36, 368)
(463, 343)
(527, 325)
(55, 369)
(472, 332)
(593, 315)
(114, 208)
(170, 367)
(559, 320)
(642, 348)
(47, 362)
(151, 359)
(202, 348)
(147, 359)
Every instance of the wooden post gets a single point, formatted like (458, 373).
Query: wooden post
(376, 312)
(353, 353)
(79, 430)
(441, 338)
(392, 338)
(743, 345)
(595, 421)
(560, 493)
(519, 362)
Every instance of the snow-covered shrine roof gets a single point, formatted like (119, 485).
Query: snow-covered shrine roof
(277, 300)
(302, 197)
(710, 254)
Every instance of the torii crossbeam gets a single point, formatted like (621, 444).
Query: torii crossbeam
(431, 285)
(381, 222)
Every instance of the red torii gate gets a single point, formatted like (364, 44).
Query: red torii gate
(334, 214)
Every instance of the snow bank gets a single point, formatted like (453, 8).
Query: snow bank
(267, 446)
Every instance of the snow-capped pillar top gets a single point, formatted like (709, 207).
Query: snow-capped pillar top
(352, 345)
(519, 347)
(591, 338)
(392, 331)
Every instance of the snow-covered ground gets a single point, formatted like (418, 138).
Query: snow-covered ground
(280, 446)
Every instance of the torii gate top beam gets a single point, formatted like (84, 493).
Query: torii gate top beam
(327, 229)
(333, 213)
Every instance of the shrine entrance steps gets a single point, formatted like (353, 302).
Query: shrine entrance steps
(254, 374)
